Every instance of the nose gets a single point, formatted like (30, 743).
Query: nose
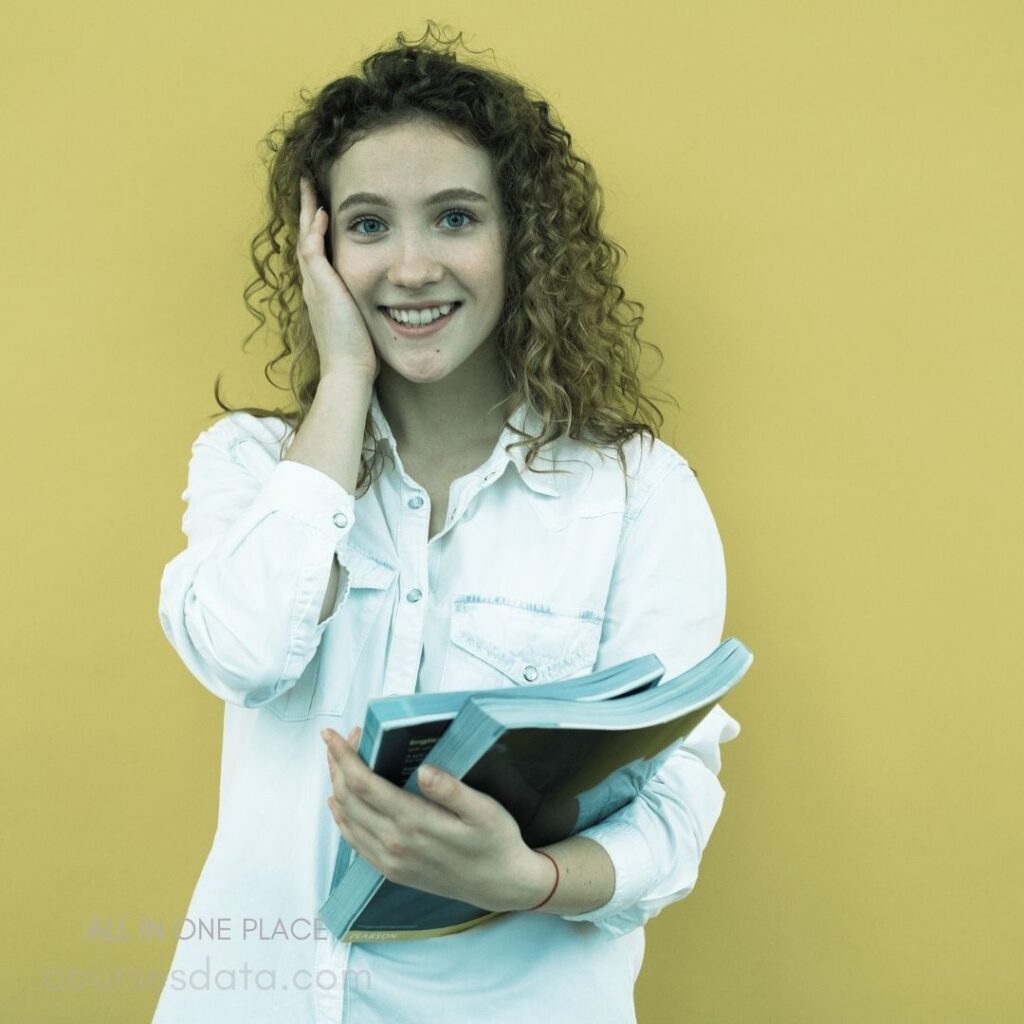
(414, 264)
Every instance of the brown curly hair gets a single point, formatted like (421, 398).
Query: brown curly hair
(565, 346)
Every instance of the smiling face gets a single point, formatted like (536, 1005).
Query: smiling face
(407, 247)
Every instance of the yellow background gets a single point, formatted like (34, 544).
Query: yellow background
(822, 206)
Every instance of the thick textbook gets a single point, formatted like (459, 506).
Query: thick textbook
(399, 732)
(559, 757)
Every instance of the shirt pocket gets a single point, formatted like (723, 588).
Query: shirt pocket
(496, 642)
(327, 682)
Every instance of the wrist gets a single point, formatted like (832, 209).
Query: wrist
(342, 378)
(539, 877)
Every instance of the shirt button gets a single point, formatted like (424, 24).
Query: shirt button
(414, 595)
(530, 673)
(340, 519)
(415, 502)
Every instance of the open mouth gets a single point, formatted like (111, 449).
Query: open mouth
(415, 329)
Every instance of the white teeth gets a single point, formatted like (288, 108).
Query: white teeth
(419, 317)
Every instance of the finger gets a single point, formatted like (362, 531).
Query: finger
(344, 762)
(453, 795)
(353, 834)
(310, 213)
(307, 196)
(312, 221)
(334, 742)
(311, 251)
(368, 846)
(351, 739)
(373, 835)
(307, 205)
(390, 803)
(357, 778)
(357, 813)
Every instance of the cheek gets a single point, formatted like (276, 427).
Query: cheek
(485, 269)
(357, 274)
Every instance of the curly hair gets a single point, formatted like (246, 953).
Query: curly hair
(565, 345)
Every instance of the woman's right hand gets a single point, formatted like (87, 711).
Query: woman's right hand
(342, 337)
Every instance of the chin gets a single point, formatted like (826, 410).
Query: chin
(416, 373)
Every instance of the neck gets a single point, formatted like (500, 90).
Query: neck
(462, 413)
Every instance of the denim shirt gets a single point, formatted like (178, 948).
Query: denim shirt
(534, 577)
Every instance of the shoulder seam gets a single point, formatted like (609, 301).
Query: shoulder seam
(639, 496)
(632, 512)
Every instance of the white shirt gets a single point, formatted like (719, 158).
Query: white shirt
(534, 577)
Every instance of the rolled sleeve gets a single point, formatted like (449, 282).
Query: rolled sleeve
(667, 597)
(656, 841)
(634, 867)
(240, 604)
(305, 493)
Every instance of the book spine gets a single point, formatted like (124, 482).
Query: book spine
(418, 933)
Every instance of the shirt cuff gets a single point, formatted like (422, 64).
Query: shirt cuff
(634, 867)
(309, 495)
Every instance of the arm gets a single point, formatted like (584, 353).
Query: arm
(331, 440)
(667, 596)
(244, 603)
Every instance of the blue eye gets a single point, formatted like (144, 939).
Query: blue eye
(362, 220)
(458, 213)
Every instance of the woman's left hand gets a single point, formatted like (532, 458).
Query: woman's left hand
(453, 841)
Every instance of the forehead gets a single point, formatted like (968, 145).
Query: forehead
(409, 159)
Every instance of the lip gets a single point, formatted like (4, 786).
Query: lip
(421, 332)
(420, 306)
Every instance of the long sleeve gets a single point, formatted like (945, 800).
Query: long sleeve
(668, 596)
(240, 604)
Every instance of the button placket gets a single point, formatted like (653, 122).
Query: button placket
(407, 640)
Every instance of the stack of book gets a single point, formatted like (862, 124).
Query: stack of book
(559, 757)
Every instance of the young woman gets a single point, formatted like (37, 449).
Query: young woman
(463, 498)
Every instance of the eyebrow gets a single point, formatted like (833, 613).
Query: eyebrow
(371, 198)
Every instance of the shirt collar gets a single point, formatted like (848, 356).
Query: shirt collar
(524, 418)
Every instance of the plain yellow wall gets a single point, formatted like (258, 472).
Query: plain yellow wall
(822, 207)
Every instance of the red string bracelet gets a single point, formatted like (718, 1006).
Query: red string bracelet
(554, 887)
